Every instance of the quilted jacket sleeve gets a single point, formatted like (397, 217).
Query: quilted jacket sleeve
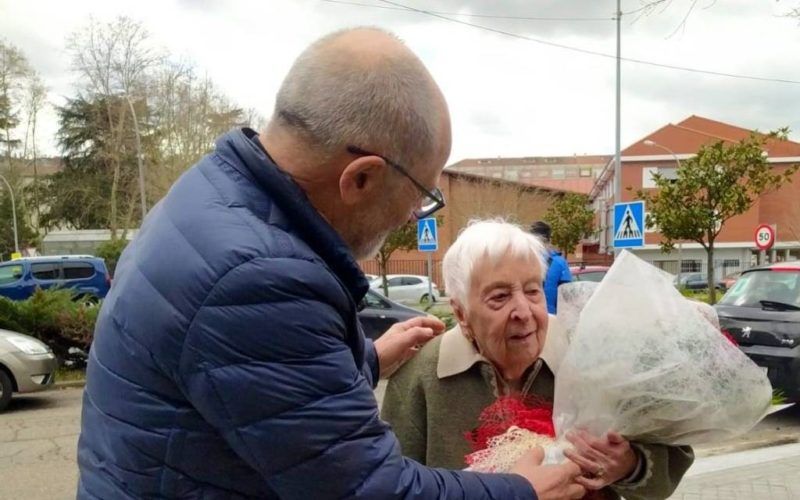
(372, 368)
(266, 363)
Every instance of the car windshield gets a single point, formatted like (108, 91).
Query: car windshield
(754, 288)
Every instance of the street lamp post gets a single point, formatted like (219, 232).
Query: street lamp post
(13, 213)
(652, 143)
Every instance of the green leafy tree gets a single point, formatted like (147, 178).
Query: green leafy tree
(97, 160)
(110, 251)
(571, 219)
(720, 182)
(402, 238)
(27, 236)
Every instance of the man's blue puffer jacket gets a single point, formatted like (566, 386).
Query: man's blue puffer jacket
(228, 361)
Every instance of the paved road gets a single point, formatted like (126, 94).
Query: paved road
(38, 441)
(763, 474)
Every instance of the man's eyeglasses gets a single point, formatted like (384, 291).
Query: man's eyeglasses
(432, 201)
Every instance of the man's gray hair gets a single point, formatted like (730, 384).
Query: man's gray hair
(388, 106)
(493, 239)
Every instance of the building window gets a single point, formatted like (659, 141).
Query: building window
(558, 173)
(586, 172)
(647, 177)
(691, 266)
(669, 173)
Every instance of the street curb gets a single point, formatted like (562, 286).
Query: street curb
(753, 445)
(69, 384)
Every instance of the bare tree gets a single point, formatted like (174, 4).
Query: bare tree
(14, 68)
(116, 60)
(35, 100)
(190, 113)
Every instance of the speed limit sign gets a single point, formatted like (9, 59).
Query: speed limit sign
(765, 237)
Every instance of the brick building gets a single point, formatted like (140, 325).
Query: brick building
(565, 173)
(662, 151)
(471, 196)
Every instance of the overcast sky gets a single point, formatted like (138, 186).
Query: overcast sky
(508, 96)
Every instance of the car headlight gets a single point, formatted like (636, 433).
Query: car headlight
(28, 345)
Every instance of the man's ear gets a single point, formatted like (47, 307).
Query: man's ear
(361, 178)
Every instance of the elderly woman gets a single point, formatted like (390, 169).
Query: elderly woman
(506, 344)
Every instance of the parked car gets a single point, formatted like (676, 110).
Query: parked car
(26, 365)
(406, 288)
(378, 313)
(694, 281)
(762, 313)
(727, 282)
(85, 274)
(588, 273)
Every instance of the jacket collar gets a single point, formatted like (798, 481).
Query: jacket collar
(458, 354)
(244, 152)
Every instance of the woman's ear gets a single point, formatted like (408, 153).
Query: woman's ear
(361, 179)
(461, 316)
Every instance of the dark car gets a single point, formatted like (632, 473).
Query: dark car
(588, 273)
(762, 313)
(379, 313)
(694, 281)
(85, 274)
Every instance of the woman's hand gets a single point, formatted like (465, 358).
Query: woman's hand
(604, 461)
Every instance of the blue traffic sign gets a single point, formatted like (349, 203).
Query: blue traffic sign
(629, 224)
(427, 236)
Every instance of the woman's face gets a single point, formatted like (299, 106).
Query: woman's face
(506, 313)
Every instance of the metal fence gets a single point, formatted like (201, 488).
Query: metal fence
(722, 267)
(418, 267)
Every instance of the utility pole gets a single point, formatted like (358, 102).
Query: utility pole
(618, 140)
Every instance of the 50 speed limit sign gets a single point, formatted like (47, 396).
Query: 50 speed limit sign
(765, 237)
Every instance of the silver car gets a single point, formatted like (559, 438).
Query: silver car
(26, 365)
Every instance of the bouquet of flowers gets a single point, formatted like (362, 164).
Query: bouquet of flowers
(643, 361)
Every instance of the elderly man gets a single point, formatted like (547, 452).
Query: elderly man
(228, 361)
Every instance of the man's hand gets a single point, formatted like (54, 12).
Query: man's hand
(551, 482)
(402, 341)
(604, 461)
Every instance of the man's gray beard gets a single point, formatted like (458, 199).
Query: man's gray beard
(369, 249)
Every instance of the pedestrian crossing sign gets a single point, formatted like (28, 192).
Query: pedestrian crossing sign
(427, 237)
(629, 224)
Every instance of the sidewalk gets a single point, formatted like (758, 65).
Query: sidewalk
(763, 474)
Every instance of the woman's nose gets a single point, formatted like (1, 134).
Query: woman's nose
(522, 308)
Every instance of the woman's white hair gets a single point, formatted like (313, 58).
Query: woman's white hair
(494, 239)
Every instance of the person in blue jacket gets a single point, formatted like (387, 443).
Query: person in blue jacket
(558, 271)
(228, 360)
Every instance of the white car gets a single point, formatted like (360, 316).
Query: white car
(406, 288)
(26, 365)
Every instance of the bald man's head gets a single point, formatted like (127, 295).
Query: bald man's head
(364, 87)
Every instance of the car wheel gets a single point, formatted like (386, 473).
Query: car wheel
(6, 388)
(425, 299)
